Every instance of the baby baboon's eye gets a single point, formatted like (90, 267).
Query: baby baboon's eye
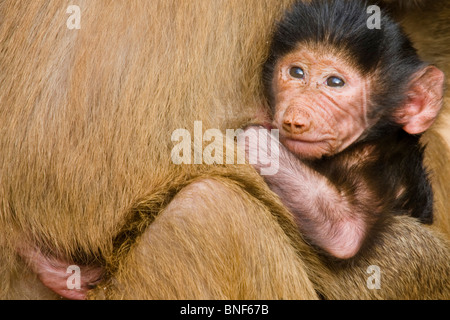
(297, 73)
(335, 82)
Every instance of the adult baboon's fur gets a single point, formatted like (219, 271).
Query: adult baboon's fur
(429, 27)
(86, 118)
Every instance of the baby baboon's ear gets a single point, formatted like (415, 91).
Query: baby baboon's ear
(424, 101)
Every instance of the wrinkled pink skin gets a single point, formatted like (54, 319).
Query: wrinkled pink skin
(314, 119)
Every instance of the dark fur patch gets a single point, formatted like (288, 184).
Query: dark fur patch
(385, 53)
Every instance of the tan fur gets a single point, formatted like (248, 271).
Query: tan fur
(222, 268)
(86, 118)
(406, 4)
(429, 29)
